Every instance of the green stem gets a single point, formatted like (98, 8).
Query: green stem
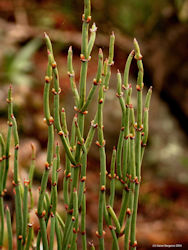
(19, 218)
(129, 210)
(29, 237)
(138, 57)
(72, 76)
(7, 154)
(25, 210)
(9, 229)
(31, 173)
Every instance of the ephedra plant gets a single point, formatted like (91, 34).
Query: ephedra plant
(125, 162)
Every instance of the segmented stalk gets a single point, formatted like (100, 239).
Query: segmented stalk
(54, 195)
(71, 75)
(139, 127)
(29, 237)
(56, 91)
(58, 234)
(132, 172)
(9, 229)
(25, 210)
(2, 168)
(105, 79)
(19, 218)
(125, 195)
(7, 154)
(31, 173)
(68, 173)
(119, 94)
(40, 212)
(67, 232)
(101, 144)
(96, 81)
(145, 125)
(92, 38)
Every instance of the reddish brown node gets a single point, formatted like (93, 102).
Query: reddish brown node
(14, 183)
(127, 188)
(138, 88)
(51, 120)
(17, 147)
(100, 236)
(111, 227)
(119, 95)
(131, 136)
(70, 74)
(101, 101)
(83, 179)
(20, 237)
(54, 65)
(60, 133)
(47, 166)
(99, 145)
(94, 125)
(103, 188)
(26, 182)
(73, 218)
(134, 244)
(138, 57)
(122, 128)
(68, 175)
(143, 144)
(136, 180)
(84, 112)
(47, 79)
(128, 211)
(10, 124)
(122, 181)
(70, 211)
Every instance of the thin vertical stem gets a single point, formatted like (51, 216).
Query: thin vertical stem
(29, 237)
(139, 128)
(9, 229)
(7, 154)
(131, 173)
(2, 169)
(25, 210)
(19, 218)
(31, 173)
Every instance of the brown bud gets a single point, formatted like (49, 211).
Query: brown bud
(20, 237)
(103, 188)
(54, 65)
(73, 218)
(128, 212)
(47, 79)
(47, 165)
(111, 227)
(83, 179)
(60, 133)
(101, 101)
(51, 120)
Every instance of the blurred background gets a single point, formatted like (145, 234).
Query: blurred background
(161, 27)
